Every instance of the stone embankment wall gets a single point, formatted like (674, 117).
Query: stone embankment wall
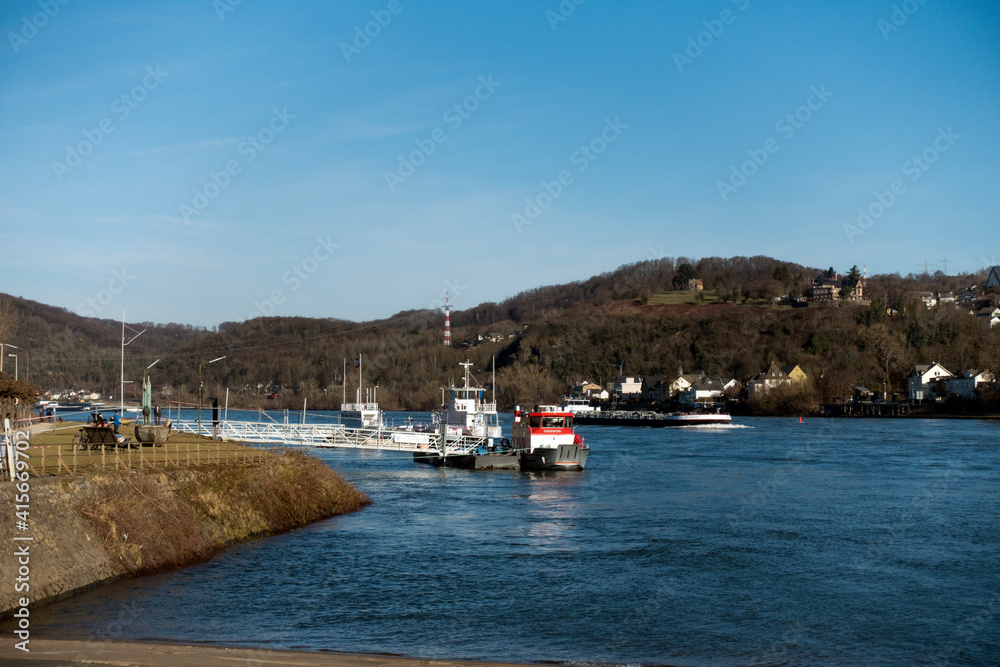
(92, 529)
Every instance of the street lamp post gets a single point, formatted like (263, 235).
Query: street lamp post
(2, 345)
(199, 387)
(15, 364)
(124, 343)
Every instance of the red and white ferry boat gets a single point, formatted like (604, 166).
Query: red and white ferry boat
(546, 440)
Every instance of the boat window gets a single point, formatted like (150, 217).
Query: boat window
(535, 421)
(554, 422)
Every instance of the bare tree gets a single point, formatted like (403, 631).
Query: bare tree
(886, 348)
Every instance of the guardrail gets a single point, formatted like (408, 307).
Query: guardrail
(48, 460)
(334, 435)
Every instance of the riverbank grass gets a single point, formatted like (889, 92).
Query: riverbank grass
(52, 451)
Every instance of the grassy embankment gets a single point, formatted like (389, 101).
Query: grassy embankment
(180, 511)
(54, 452)
(181, 516)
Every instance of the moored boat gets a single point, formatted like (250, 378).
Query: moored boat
(467, 416)
(363, 414)
(546, 440)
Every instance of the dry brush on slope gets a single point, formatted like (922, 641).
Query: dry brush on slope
(158, 521)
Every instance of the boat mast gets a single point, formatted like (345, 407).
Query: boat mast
(466, 364)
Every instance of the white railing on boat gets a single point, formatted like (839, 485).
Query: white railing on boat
(334, 435)
(359, 407)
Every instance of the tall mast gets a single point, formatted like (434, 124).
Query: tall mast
(447, 320)
(121, 387)
(466, 364)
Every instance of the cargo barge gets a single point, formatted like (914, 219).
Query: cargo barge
(653, 419)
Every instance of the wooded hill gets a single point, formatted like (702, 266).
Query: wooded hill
(583, 330)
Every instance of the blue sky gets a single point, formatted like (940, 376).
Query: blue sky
(201, 162)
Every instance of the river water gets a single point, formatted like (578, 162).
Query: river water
(771, 542)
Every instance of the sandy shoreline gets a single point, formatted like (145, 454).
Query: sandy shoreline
(52, 652)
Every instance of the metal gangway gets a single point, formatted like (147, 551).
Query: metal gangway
(399, 439)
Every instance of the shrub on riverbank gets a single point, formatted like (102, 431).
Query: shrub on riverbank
(784, 401)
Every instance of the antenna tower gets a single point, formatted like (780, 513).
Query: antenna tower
(447, 320)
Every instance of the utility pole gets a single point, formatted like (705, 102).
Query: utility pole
(121, 387)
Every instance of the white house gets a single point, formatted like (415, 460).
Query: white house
(704, 390)
(965, 387)
(682, 382)
(923, 379)
(589, 389)
(628, 386)
(990, 314)
(928, 298)
(731, 383)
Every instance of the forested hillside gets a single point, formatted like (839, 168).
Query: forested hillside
(566, 333)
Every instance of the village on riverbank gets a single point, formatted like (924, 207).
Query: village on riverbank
(754, 335)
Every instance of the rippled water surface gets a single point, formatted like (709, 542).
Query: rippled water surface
(830, 542)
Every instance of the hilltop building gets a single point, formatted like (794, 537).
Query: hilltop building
(993, 280)
(825, 288)
(989, 314)
(829, 287)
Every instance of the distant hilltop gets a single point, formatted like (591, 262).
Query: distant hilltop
(725, 318)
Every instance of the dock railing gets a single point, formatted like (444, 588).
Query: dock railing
(335, 435)
(71, 459)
